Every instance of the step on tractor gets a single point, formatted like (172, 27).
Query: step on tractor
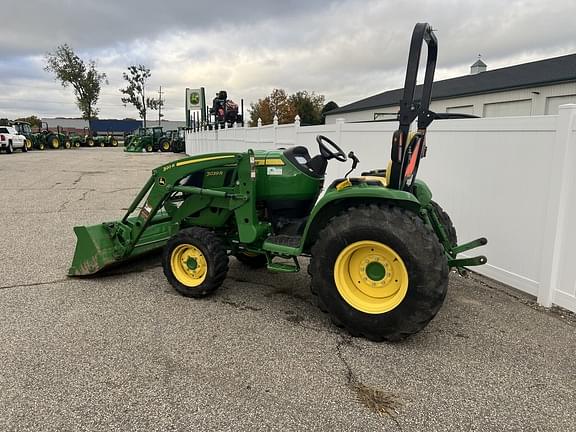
(380, 248)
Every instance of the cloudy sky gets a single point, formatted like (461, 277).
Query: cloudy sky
(343, 49)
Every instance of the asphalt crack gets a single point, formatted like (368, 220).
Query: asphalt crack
(34, 284)
(377, 401)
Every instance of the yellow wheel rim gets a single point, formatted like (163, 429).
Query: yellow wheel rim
(371, 277)
(188, 265)
(28, 144)
(166, 146)
(55, 143)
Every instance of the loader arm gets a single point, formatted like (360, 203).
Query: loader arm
(101, 245)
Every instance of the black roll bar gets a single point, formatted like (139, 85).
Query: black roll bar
(405, 156)
(409, 109)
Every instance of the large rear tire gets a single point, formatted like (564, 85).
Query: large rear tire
(379, 272)
(195, 262)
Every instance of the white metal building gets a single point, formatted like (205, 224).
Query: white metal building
(535, 88)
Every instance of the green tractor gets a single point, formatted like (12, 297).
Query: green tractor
(132, 142)
(24, 128)
(148, 139)
(64, 138)
(380, 248)
(107, 140)
(76, 139)
(175, 141)
(45, 138)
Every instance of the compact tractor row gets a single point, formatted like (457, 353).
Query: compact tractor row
(49, 139)
(380, 248)
(155, 139)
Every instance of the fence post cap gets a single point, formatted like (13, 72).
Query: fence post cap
(340, 120)
(259, 122)
(275, 120)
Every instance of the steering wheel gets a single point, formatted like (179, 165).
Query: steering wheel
(326, 152)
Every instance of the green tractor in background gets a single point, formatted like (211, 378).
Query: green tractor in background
(64, 138)
(380, 248)
(148, 139)
(176, 141)
(132, 142)
(45, 138)
(107, 140)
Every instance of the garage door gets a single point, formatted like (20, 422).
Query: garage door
(552, 103)
(508, 109)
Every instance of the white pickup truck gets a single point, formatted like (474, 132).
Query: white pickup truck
(11, 140)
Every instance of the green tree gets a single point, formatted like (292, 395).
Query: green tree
(308, 106)
(276, 104)
(34, 121)
(82, 76)
(135, 91)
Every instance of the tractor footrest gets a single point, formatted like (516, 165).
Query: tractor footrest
(284, 267)
(283, 245)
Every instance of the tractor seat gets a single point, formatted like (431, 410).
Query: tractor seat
(300, 158)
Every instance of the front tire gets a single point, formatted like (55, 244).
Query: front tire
(9, 149)
(379, 272)
(164, 145)
(195, 262)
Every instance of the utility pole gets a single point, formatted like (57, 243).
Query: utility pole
(160, 106)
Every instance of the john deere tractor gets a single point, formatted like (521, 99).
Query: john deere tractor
(173, 141)
(64, 138)
(148, 139)
(380, 248)
(45, 138)
(107, 140)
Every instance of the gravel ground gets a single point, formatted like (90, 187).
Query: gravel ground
(124, 352)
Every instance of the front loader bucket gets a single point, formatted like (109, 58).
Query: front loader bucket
(95, 248)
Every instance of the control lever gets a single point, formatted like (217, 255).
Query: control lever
(355, 161)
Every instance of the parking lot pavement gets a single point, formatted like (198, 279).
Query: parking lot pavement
(125, 352)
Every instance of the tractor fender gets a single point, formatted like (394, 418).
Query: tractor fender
(335, 202)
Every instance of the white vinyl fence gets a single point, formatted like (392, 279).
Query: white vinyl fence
(512, 180)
